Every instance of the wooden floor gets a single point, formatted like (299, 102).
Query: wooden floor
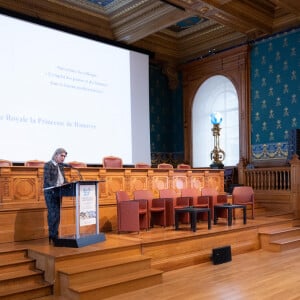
(258, 274)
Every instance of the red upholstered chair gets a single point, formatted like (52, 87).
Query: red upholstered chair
(164, 166)
(77, 164)
(183, 166)
(34, 163)
(214, 198)
(142, 165)
(174, 201)
(5, 163)
(132, 215)
(112, 162)
(157, 207)
(143, 194)
(244, 195)
(199, 201)
(191, 192)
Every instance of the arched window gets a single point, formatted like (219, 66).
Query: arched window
(216, 94)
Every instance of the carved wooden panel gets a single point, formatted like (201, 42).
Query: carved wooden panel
(21, 184)
(25, 189)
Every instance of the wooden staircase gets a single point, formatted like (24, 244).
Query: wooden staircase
(95, 276)
(280, 239)
(104, 279)
(19, 279)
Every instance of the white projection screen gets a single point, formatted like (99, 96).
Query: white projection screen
(60, 89)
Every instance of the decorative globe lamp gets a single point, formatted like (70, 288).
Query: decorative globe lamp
(217, 155)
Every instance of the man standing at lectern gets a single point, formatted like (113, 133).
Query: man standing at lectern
(54, 175)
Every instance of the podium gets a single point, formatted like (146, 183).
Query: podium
(86, 214)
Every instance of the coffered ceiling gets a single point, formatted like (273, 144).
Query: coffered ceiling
(176, 31)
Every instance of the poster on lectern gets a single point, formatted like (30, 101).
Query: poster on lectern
(88, 212)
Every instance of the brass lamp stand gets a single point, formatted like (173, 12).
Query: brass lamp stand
(217, 155)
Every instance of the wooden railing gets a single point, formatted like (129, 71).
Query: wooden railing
(276, 188)
(278, 179)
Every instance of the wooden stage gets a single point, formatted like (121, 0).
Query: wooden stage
(165, 249)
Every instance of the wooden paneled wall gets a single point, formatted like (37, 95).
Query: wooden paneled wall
(23, 213)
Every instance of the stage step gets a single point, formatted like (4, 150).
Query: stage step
(19, 279)
(108, 278)
(15, 260)
(192, 258)
(280, 239)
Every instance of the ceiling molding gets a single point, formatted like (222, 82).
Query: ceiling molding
(162, 27)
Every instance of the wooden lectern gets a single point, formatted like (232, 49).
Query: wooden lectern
(86, 214)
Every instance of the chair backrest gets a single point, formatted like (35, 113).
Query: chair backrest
(127, 213)
(142, 165)
(167, 193)
(122, 196)
(242, 194)
(183, 166)
(77, 164)
(112, 162)
(164, 166)
(34, 163)
(207, 191)
(143, 194)
(212, 192)
(5, 163)
(190, 192)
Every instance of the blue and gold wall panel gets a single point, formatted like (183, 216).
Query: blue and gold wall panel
(275, 98)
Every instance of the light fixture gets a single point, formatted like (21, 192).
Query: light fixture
(217, 155)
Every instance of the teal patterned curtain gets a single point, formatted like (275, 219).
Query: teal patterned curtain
(166, 119)
(275, 100)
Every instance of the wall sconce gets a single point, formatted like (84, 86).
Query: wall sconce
(217, 155)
